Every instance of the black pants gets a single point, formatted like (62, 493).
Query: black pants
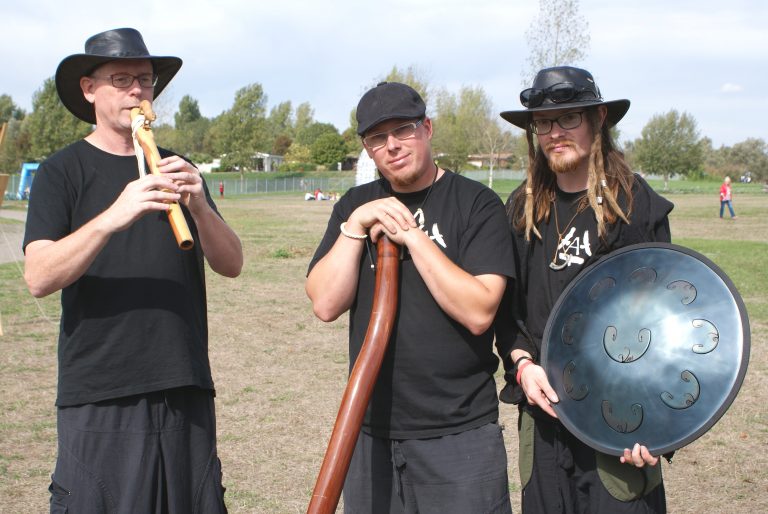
(153, 453)
(464, 473)
(565, 479)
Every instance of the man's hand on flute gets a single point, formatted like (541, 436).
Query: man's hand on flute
(142, 196)
(187, 179)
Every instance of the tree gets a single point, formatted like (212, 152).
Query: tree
(494, 141)
(449, 148)
(669, 145)
(462, 123)
(298, 154)
(189, 112)
(240, 131)
(281, 144)
(309, 134)
(305, 116)
(411, 76)
(189, 137)
(9, 110)
(352, 140)
(328, 149)
(557, 36)
(50, 126)
(281, 119)
(280, 127)
(15, 147)
(751, 156)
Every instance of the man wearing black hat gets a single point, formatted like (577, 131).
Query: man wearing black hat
(430, 441)
(136, 420)
(579, 202)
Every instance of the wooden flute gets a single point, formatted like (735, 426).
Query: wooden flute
(147, 141)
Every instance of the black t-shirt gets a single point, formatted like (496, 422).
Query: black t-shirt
(436, 378)
(528, 302)
(135, 322)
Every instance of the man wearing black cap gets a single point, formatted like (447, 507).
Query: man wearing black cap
(136, 421)
(430, 441)
(579, 202)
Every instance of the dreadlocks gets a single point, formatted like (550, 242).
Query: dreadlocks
(608, 172)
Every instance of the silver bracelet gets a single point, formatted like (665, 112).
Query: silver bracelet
(350, 235)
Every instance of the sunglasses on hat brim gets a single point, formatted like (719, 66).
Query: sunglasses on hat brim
(556, 93)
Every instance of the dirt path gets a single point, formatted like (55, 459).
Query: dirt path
(11, 235)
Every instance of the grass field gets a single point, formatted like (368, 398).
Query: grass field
(280, 372)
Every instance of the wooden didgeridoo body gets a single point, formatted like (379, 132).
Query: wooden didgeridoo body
(357, 394)
(147, 141)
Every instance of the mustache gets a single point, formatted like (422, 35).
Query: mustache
(551, 146)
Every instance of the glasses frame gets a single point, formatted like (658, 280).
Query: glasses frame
(134, 78)
(552, 122)
(414, 124)
(533, 97)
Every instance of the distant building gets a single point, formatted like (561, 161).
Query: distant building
(209, 167)
(261, 162)
(483, 160)
(266, 161)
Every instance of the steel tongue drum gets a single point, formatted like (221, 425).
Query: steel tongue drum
(649, 345)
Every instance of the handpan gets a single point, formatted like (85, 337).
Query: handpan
(648, 345)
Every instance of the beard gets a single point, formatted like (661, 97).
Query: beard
(563, 163)
(406, 180)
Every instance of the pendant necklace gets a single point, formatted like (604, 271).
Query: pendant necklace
(553, 264)
(418, 212)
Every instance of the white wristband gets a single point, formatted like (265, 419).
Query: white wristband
(350, 235)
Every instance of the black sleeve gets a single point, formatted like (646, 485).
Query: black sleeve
(51, 198)
(486, 244)
(509, 326)
(341, 212)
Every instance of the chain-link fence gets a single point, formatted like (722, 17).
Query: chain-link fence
(252, 184)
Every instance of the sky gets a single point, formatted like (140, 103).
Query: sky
(706, 58)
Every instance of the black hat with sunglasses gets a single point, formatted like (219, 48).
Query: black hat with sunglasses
(387, 101)
(563, 87)
(112, 45)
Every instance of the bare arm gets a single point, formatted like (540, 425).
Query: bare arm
(332, 283)
(470, 300)
(53, 265)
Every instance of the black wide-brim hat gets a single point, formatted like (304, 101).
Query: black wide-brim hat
(587, 94)
(112, 45)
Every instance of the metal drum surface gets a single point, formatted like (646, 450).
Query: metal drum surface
(648, 345)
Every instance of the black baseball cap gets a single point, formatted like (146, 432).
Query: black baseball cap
(386, 101)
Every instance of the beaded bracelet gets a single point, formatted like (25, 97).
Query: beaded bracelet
(349, 234)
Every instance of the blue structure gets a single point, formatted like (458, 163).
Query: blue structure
(27, 174)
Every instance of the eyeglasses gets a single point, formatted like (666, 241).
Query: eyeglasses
(125, 80)
(567, 121)
(557, 93)
(402, 132)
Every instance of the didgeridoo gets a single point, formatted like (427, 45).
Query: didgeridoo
(357, 394)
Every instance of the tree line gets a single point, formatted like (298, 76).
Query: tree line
(467, 129)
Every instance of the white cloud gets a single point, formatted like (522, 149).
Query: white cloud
(728, 87)
(689, 54)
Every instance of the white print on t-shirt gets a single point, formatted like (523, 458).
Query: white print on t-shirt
(436, 236)
(570, 248)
